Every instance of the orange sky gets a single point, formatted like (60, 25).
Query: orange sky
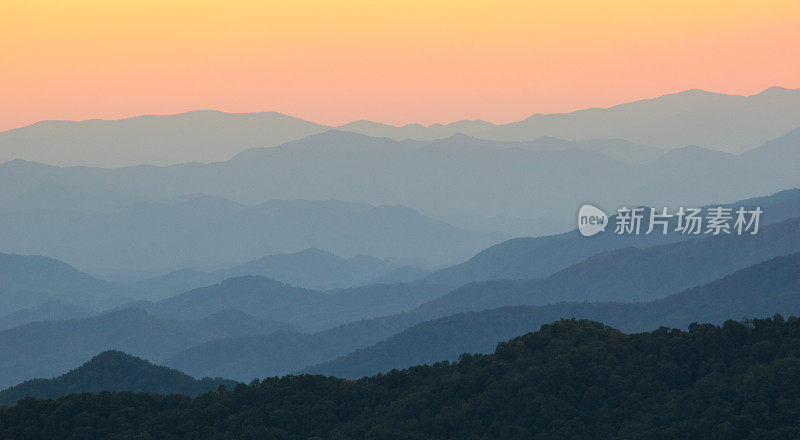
(389, 61)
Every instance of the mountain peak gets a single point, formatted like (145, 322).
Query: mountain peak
(113, 370)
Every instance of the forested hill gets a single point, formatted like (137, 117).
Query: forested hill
(113, 371)
(571, 379)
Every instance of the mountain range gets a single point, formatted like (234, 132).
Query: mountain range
(273, 340)
(47, 349)
(306, 308)
(208, 234)
(622, 275)
(759, 291)
(694, 117)
(36, 288)
(449, 178)
(537, 257)
(629, 274)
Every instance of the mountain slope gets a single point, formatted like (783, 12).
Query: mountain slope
(314, 269)
(45, 349)
(310, 268)
(526, 258)
(761, 290)
(113, 371)
(52, 310)
(270, 299)
(198, 136)
(446, 178)
(30, 280)
(208, 233)
(729, 123)
(629, 274)
(725, 122)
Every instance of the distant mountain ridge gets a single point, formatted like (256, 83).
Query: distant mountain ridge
(629, 274)
(613, 276)
(310, 268)
(441, 179)
(306, 308)
(726, 122)
(208, 233)
(45, 349)
(113, 371)
(536, 257)
(760, 291)
(30, 280)
(35, 288)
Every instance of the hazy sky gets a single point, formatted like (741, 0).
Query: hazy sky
(389, 61)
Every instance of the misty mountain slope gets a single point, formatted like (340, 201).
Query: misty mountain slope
(310, 268)
(694, 117)
(52, 310)
(283, 352)
(113, 371)
(725, 122)
(45, 349)
(617, 149)
(629, 274)
(30, 280)
(270, 299)
(783, 150)
(442, 178)
(527, 258)
(210, 233)
(38, 273)
(759, 291)
(416, 131)
(314, 269)
(198, 136)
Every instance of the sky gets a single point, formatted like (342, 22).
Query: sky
(390, 61)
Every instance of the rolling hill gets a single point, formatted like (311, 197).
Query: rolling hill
(310, 309)
(30, 280)
(761, 290)
(46, 349)
(628, 274)
(113, 371)
(310, 268)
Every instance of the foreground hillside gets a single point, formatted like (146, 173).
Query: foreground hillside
(113, 371)
(571, 379)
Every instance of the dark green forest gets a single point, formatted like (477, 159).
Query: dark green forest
(570, 380)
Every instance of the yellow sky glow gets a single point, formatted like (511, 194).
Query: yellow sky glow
(390, 61)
